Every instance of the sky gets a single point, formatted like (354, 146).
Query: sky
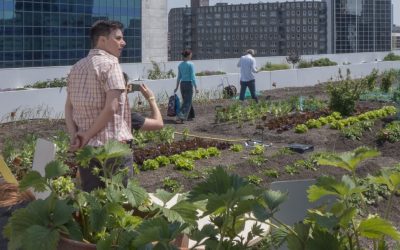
(182, 3)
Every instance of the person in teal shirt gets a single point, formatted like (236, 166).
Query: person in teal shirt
(187, 80)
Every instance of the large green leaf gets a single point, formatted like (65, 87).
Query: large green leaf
(327, 185)
(35, 180)
(40, 237)
(325, 220)
(321, 239)
(164, 195)
(113, 149)
(84, 155)
(375, 228)
(62, 213)
(55, 169)
(274, 199)
(157, 230)
(348, 160)
(135, 194)
(97, 219)
(389, 178)
(183, 211)
(218, 182)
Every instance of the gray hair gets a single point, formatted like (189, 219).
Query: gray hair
(251, 52)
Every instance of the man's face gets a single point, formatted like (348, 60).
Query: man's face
(114, 43)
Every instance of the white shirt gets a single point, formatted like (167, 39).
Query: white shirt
(248, 67)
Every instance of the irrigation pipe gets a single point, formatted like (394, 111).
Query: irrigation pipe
(220, 139)
(211, 138)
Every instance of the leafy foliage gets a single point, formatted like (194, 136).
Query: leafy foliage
(156, 73)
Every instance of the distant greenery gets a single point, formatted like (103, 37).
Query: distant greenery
(210, 73)
(272, 66)
(322, 62)
(55, 83)
(156, 73)
(391, 57)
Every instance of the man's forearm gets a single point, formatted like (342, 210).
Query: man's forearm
(71, 126)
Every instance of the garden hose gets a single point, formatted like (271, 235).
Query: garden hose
(211, 138)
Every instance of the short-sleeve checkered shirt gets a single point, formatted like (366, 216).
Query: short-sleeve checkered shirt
(88, 82)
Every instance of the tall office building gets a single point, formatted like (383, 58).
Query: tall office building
(226, 31)
(56, 32)
(359, 25)
(396, 38)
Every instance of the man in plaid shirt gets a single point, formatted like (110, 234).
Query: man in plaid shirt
(97, 108)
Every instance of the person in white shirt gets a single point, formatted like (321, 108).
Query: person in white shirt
(248, 67)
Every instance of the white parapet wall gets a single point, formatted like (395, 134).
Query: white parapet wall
(19, 77)
(49, 103)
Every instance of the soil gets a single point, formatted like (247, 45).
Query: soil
(323, 139)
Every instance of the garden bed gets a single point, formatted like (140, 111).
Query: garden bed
(275, 164)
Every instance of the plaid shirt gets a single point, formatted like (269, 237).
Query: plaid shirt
(88, 82)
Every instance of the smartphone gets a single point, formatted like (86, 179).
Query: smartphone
(133, 87)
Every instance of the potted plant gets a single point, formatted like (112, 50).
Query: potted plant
(118, 215)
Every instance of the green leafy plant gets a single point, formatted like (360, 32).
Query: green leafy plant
(258, 150)
(273, 66)
(150, 165)
(55, 83)
(271, 173)
(237, 147)
(171, 184)
(156, 73)
(229, 199)
(183, 163)
(210, 73)
(213, 151)
(114, 216)
(257, 160)
(291, 169)
(162, 160)
(254, 179)
(390, 133)
(388, 79)
(301, 128)
(391, 57)
(345, 93)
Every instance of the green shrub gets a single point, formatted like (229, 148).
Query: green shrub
(388, 78)
(55, 83)
(272, 66)
(210, 73)
(171, 184)
(391, 57)
(258, 150)
(322, 62)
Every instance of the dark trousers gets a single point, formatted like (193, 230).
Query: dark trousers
(186, 111)
(89, 181)
(252, 87)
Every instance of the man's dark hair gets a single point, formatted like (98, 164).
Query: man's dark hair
(103, 28)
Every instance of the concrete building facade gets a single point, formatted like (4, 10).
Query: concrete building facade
(226, 31)
(154, 31)
(396, 38)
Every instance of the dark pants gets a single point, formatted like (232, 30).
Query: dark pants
(186, 111)
(89, 181)
(252, 87)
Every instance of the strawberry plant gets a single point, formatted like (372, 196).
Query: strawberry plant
(258, 160)
(291, 169)
(390, 133)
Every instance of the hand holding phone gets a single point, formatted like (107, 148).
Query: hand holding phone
(133, 87)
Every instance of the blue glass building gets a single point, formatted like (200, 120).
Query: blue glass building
(35, 33)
